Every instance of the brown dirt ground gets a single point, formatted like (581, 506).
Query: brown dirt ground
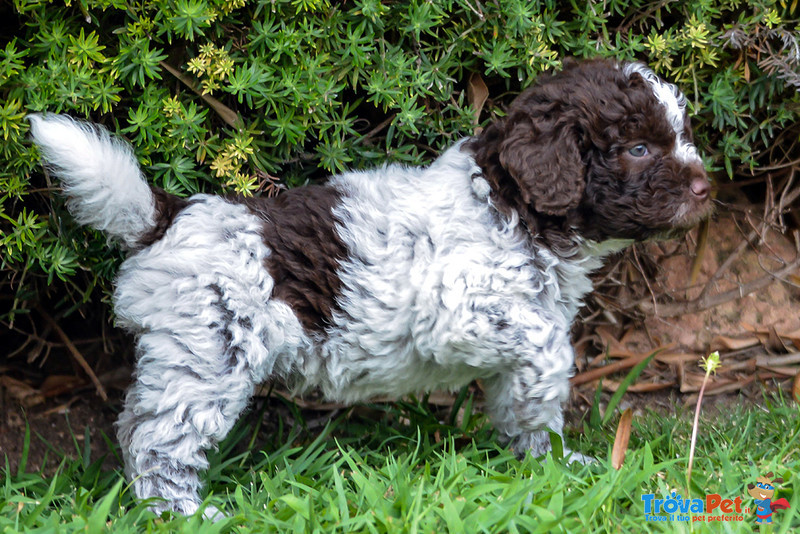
(57, 429)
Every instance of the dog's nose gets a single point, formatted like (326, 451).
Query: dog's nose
(698, 181)
(700, 187)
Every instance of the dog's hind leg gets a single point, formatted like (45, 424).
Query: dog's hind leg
(198, 365)
(208, 330)
(187, 396)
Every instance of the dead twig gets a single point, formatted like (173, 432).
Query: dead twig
(225, 113)
(641, 16)
(606, 370)
(645, 278)
(769, 218)
(73, 350)
(779, 166)
(724, 386)
(376, 130)
(762, 361)
(641, 387)
(699, 251)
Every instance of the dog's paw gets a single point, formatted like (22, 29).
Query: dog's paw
(572, 457)
(212, 513)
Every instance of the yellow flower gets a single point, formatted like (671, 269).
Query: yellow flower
(207, 49)
(244, 184)
(197, 65)
(209, 86)
(223, 165)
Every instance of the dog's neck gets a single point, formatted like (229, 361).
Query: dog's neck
(574, 270)
(573, 258)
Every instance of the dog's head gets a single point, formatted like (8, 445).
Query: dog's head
(601, 149)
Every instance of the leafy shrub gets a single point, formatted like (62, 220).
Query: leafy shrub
(247, 95)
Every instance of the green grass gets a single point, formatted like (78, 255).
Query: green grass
(404, 471)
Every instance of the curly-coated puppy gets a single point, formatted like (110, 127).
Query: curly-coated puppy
(388, 281)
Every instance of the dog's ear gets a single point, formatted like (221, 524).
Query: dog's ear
(777, 481)
(769, 475)
(543, 157)
(751, 486)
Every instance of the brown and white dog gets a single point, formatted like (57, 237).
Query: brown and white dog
(388, 281)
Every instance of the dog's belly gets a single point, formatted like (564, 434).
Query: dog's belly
(349, 373)
(435, 328)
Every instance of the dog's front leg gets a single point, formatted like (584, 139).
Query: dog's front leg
(525, 403)
(523, 422)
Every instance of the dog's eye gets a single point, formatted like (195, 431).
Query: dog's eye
(638, 151)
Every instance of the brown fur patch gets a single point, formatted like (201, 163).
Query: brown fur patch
(300, 230)
(167, 207)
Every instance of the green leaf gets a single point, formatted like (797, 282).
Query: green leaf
(99, 516)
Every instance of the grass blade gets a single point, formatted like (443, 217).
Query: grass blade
(625, 384)
(99, 516)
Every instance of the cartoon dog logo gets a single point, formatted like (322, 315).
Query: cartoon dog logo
(762, 491)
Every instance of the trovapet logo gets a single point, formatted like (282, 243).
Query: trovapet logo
(713, 507)
(674, 507)
(762, 491)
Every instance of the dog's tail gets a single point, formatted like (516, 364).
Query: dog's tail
(100, 176)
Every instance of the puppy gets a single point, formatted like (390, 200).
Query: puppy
(389, 281)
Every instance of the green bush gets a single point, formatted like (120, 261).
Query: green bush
(248, 95)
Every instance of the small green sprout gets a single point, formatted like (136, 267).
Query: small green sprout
(710, 365)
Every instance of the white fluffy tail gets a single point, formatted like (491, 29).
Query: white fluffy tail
(100, 176)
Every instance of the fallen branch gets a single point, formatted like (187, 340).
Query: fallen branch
(600, 372)
(724, 386)
(73, 350)
(641, 387)
(224, 112)
(762, 361)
